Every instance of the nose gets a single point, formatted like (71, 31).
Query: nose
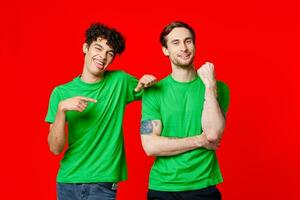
(183, 46)
(102, 55)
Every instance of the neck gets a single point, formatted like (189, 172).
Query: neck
(90, 78)
(183, 74)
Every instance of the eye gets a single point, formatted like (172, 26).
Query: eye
(189, 41)
(111, 54)
(175, 42)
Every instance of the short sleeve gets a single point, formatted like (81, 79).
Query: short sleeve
(223, 96)
(150, 104)
(131, 95)
(55, 98)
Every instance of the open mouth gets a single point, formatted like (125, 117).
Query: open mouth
(184, 56)
(99, 64)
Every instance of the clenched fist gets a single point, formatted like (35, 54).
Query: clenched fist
(207, 73)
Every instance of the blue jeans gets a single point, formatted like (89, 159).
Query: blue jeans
(86, 191)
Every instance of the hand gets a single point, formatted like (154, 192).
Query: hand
(75, 103)
(144, 82)
(207, 144)
(207, 74)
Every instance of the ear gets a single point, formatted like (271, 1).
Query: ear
(85, 48)
(165, 51)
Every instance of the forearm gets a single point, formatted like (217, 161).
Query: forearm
(213, 121)
(165, 146)
(57, 137)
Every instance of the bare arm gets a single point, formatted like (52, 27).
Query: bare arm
(57, 137)
(156, 145)
(213, 120)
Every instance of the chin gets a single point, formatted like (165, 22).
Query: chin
(98, 72)
(185, 64)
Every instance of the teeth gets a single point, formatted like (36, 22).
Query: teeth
(184, 57)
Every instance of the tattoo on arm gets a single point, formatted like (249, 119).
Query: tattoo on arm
(146, 127)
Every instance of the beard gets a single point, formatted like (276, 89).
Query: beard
(182, 63)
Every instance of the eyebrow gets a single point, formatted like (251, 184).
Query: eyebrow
(187, 38)
(175, 40)
(99, 45)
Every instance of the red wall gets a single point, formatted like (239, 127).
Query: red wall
(255, 47)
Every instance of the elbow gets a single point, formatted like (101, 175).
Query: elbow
(212, 138)
(55, 150)
(149, 153)
(149, 148)
(214, 135)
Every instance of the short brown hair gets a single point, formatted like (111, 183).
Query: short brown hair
(170, 27)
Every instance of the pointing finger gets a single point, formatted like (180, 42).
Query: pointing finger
(89, 99)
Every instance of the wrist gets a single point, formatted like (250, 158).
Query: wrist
(211, 84)
(200, 140)
(61, 108)
(211, 93)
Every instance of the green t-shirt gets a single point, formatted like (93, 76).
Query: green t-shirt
(95, 141)
(179, 106)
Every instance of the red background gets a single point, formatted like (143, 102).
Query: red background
(254, 46)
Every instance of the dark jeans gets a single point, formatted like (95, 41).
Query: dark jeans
(86, 191)
(209, 193)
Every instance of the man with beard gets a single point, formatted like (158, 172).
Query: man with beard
(92, 107)
(183, 122)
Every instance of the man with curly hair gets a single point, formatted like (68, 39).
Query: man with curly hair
(92, 107)
(183, 122)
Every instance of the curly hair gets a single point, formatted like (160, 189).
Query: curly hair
(114, 39)
(170, 27)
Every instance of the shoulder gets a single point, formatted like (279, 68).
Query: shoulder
(69, 83)
(59, 89)
(119, 74)
(114, 73)
(157, 88)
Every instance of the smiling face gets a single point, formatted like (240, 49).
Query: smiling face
(98, 56)
(180, 47)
